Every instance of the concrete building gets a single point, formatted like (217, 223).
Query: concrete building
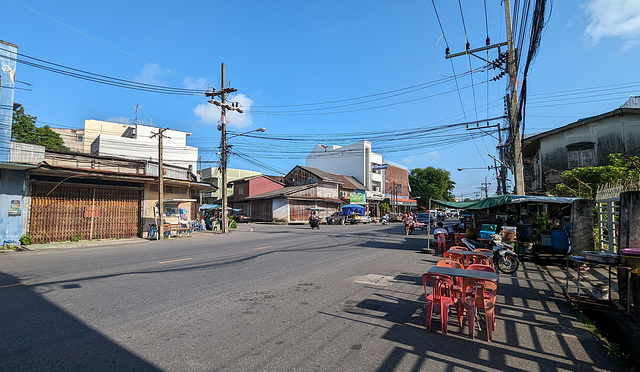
(214, 176)
(383, 180)
(13, 185)
(584, 143)
(132, 141)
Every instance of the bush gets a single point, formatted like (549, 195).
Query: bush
(26, 239)
(77, 238)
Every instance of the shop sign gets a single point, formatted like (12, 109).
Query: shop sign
(357, 198)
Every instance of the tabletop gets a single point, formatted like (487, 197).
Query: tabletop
(464, 273)
(488, 254)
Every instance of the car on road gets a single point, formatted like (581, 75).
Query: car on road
(467, 217)
(240, 217)
(394, 217)
(336, 218)
(426, 218)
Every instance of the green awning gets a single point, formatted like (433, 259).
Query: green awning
(489, 202)
(495, 201)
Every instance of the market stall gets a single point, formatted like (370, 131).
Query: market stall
(542, 224)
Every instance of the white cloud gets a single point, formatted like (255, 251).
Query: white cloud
(431, 155)
(210, 114)
(608, 18)
(199, 83)
(409, 160)
(150, 74)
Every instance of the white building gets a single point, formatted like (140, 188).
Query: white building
(131, 141)
(355, 160)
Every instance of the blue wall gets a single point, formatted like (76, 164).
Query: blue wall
(12, 208)
(8, 55)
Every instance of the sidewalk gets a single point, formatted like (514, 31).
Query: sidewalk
(100, 242)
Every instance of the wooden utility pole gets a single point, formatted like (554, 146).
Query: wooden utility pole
(159, 223)
(514, 113)
(223, 139)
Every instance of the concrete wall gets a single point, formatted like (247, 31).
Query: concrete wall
(145, 149)
(12, 205)
(94, 128)
(281, 209)
(582, 233)
(352, 160)
(8, 56)
(613, 134)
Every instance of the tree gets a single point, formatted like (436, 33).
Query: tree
(430, 182)
(24, 130)
(584, 182)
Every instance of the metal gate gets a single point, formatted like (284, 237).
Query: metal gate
(63, 212)
(608, 209)
(299, 210)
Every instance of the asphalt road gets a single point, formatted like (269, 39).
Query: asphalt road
(264, 297)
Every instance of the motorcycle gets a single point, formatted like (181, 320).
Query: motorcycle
(314, 222)
(504, 259)
(408, 227)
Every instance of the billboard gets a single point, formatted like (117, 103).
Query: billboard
(357, 198)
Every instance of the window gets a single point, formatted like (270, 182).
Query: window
(80, 138)
(580, 155)
(240, 189)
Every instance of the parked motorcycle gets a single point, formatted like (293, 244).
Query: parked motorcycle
(504, 259)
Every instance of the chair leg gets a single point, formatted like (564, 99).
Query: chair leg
(429, 313)
(459, 311)
(444, 316)
(471, 315)
(489, 315)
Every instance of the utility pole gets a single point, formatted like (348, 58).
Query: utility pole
(159, 224)
(485, 187)
(514, 113)
(223, 138)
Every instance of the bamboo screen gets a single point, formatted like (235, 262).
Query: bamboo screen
(61, 213)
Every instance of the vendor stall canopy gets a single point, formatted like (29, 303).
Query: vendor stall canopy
(353, 208)
(498, 200)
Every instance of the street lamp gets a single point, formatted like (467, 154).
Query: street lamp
(487, 168)
(223, 167)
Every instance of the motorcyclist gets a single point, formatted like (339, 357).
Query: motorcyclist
(314, 221)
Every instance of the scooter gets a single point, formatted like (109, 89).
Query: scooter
(504, 259)
(408, 228)
(315, 223)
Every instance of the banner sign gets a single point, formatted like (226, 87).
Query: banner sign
(380, 166)
(357, 198)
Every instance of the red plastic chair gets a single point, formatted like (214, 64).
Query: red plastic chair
(481, 267)
(477, 258)
(441, 242)
(483, 250)
(441, 293)
(457, 239)
(459, 248)
(454, 256)
(449, 263)
(480, 294)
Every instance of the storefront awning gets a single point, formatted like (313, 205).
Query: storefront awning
(498, 200)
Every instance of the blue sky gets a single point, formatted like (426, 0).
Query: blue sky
(381, 65)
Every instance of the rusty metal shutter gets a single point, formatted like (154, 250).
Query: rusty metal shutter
(62, 212)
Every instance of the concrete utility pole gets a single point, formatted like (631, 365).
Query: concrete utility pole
(514, 113)
(159, 224)
(223, 139)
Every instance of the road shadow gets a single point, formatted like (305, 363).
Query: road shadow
(39, 336)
